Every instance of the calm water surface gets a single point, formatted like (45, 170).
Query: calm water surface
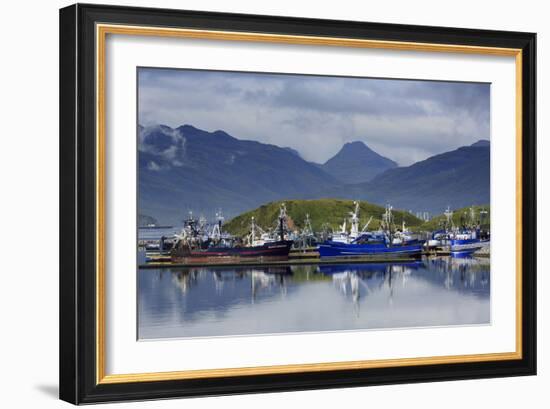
(216, 301)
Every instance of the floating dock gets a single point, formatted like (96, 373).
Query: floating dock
(298, 261)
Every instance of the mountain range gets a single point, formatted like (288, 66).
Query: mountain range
(186, 168)
(457, 178)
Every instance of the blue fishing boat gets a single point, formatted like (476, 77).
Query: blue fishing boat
(468, 239)
(367, 246)
(466, 242)
(440, 238)
(380, 244)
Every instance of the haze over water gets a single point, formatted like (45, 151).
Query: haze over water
(221, 301)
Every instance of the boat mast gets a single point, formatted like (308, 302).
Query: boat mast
(472, 217)
(449, 219)
(366, 225)
(354, 220)
(252, 231)
(307, 230)
(282, 222)
(343, 226)
(217, 229)
(387, 222)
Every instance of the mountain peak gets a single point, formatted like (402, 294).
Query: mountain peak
(187, 127)
(222, 134)
(154, 127)
(356, 145)
(457, 178)
(481, 143)
(356, 163)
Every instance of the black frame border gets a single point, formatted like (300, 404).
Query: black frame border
(77, 149)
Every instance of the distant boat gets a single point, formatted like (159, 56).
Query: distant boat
(469, 239)
(466, 242)
(441, 237)
(154, 226)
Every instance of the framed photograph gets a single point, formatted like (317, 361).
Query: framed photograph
(257, 203)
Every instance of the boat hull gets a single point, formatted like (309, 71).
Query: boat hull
(332, 249)
(466, 246)
(278, 250)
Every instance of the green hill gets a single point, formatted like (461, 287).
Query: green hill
(331, 211)
(458, 214)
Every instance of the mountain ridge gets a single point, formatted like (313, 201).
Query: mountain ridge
(186, 168)
(457, 178)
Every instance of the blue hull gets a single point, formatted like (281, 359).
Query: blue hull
(457, 242)
(467, 246)
(332, 249)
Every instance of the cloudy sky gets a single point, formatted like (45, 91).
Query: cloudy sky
(404, 120)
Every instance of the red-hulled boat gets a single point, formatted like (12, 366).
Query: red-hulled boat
(191, 248)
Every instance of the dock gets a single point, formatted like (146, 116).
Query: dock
(298, 261)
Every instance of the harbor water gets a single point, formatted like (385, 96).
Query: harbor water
(250, 300)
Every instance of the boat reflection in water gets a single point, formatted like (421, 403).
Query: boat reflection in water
(222, 301)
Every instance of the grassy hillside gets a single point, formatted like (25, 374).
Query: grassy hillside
(331, 211)
(435, 223)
